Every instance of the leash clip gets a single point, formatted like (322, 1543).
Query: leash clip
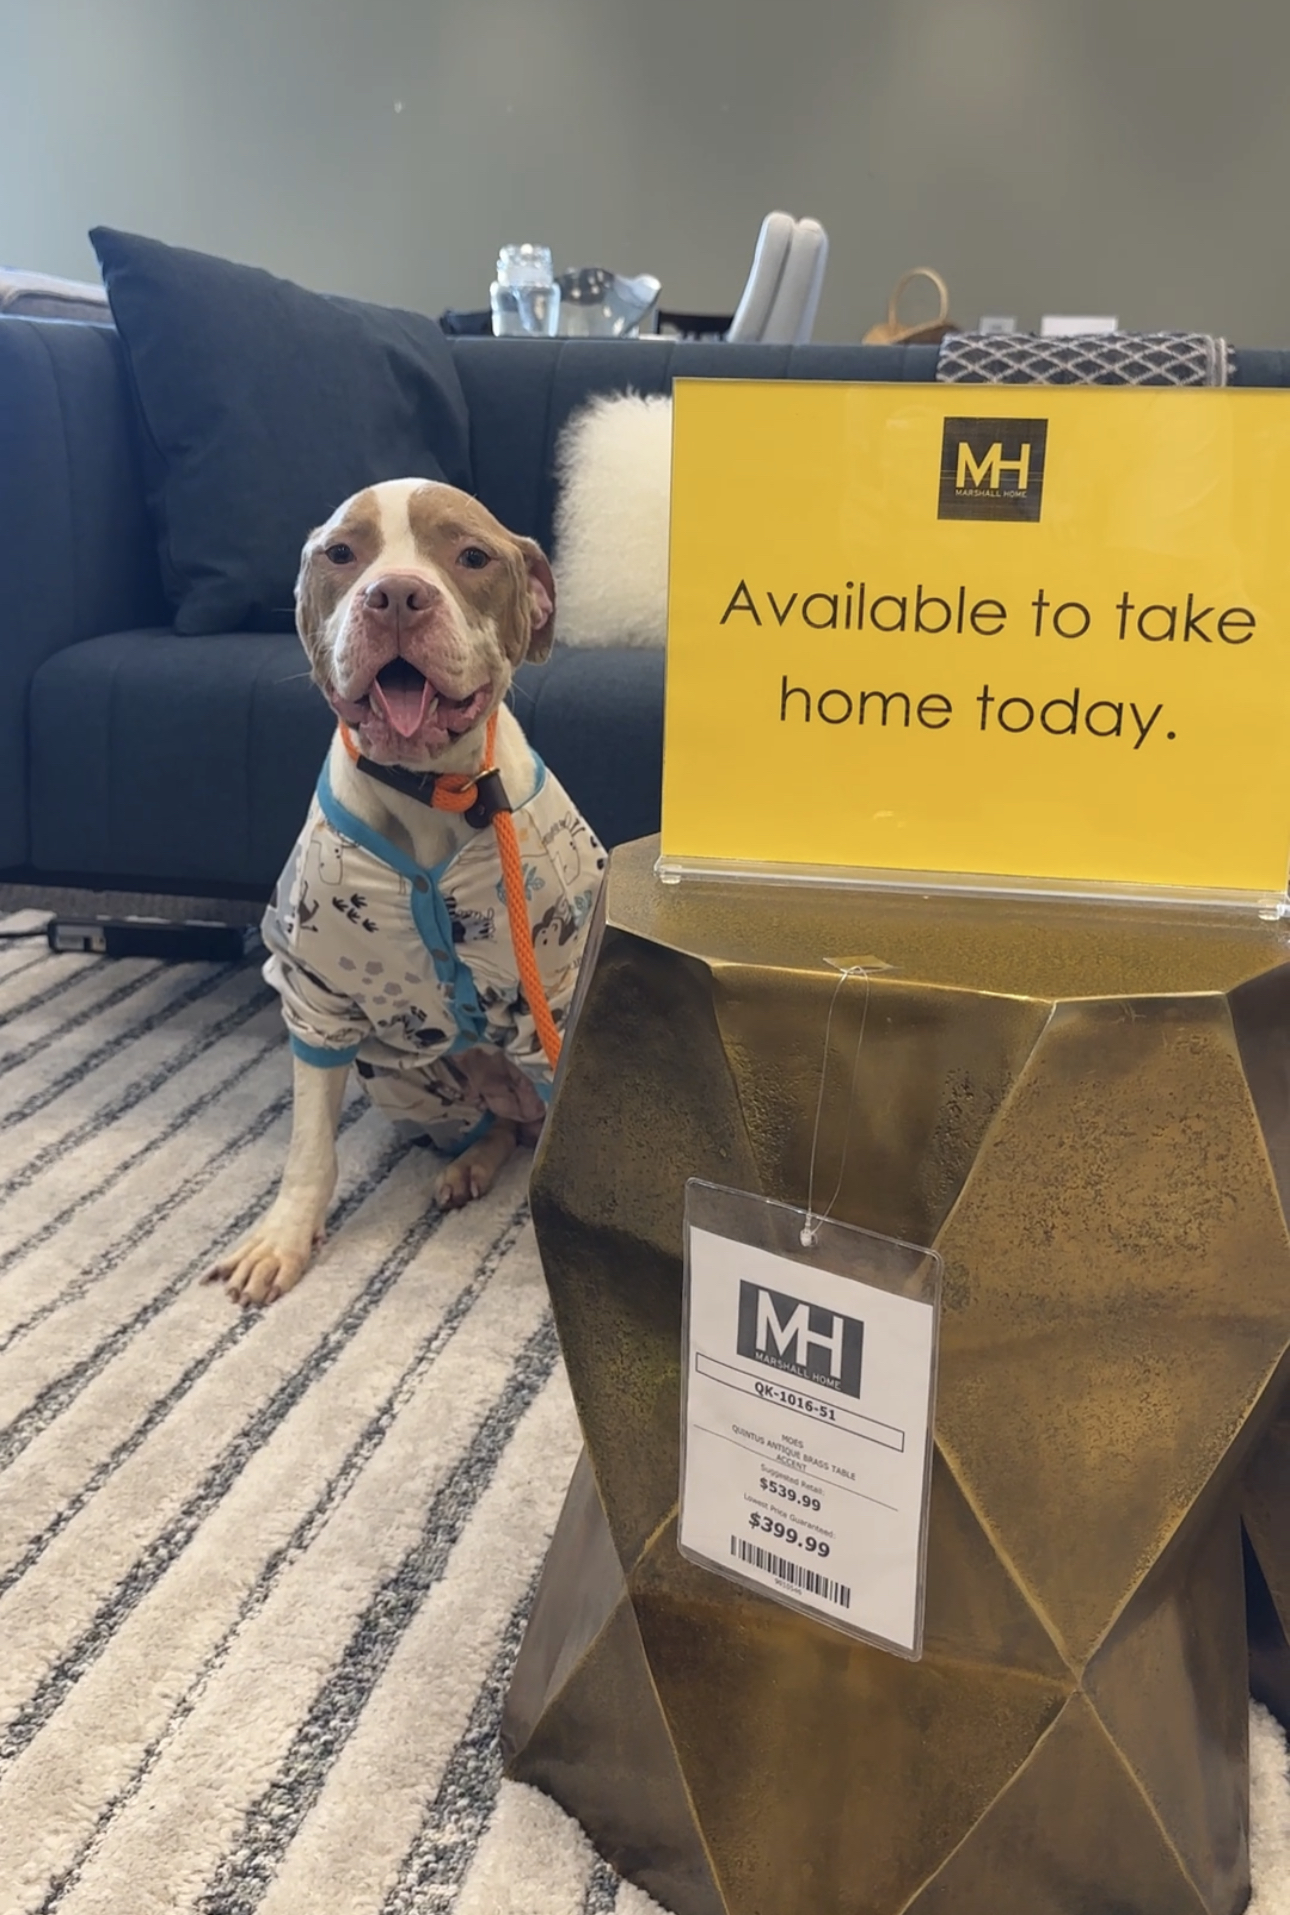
(490, 798)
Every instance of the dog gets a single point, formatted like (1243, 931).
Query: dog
(389, 939)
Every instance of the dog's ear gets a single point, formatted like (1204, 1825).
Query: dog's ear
(541, 585)
(311, 608)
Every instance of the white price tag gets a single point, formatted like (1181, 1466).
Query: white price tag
(1076, 325)
(807, 1412)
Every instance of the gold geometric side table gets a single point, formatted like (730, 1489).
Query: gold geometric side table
(1083, 1110)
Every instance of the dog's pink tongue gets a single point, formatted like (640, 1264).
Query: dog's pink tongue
(402, 705)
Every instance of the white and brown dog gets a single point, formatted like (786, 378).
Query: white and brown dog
(390, 941)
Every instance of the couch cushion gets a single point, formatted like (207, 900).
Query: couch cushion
(165, 757)
(596, 717)
(262, 406)
(193, 758)
(522, 393)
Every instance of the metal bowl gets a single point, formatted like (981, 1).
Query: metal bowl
(598, 304)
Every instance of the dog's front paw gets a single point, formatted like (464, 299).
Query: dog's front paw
(474, 1173)
(460, 1184)
(267, 1263)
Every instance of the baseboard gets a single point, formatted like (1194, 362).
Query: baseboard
(76, 894)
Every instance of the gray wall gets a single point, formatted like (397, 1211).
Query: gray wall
(1126, 156)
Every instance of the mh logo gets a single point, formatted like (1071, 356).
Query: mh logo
(992, 469)
(805, 1338)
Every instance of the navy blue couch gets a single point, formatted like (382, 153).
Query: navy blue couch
(132, 757)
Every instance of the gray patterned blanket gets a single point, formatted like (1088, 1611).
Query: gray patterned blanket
(1089, 359)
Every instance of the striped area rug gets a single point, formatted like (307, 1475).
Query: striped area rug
(263, 1575)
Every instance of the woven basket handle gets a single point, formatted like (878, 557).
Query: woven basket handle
(906, 279)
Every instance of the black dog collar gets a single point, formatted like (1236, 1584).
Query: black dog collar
(490, 792)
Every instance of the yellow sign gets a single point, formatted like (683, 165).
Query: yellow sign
(1021, 631)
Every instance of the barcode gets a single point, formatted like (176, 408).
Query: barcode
(796, 1573)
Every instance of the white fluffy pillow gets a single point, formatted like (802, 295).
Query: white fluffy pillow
(614, 470)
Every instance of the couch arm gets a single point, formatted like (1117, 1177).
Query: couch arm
(82, 559)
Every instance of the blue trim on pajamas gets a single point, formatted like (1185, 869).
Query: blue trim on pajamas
(323, 1060)
(434, 927)
(429, 912)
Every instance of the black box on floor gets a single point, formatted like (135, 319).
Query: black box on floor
(191, 943)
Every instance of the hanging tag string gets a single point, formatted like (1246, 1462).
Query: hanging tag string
(811, 1228)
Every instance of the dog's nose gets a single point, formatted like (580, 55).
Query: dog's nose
(399, 597)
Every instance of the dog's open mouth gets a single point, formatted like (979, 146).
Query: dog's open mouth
(407, 700)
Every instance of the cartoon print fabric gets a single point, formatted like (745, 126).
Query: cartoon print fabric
(403, 970)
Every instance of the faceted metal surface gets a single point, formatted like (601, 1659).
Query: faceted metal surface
(1086, 1111)
(1261, 1013)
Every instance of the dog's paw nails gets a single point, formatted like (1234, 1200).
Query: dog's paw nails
(261, 1270)
(454, 1188)
(273, 1279)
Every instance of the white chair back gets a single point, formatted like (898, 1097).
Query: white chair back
(782, 296)
(797, 297)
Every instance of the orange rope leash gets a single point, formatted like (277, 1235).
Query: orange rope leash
(508, 846)
(455, 791)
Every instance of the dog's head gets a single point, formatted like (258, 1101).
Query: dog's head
(415, 607)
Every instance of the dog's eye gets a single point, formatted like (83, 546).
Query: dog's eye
(474, 558)
(340, 554)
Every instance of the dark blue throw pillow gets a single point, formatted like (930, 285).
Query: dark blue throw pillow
(262, 406)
